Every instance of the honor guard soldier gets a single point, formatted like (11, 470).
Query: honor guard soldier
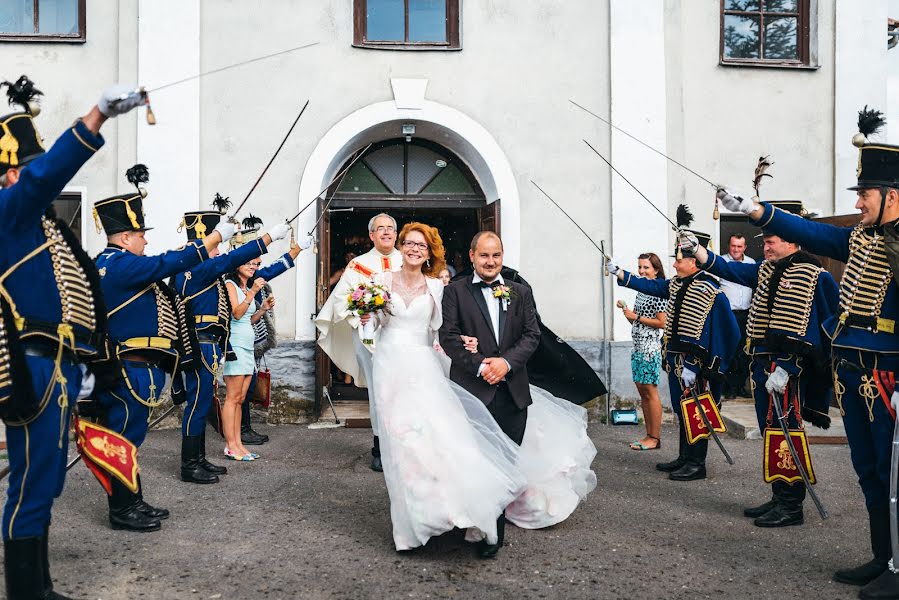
(53, 321)
(864, 333)
(147, 329)
(701, 335)
(202, 290)
(792, 296)
(338, 326)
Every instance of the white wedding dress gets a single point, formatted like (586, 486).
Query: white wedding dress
(447, 463)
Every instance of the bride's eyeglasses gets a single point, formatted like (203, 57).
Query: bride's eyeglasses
(410, 244)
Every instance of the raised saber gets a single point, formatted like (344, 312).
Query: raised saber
(330, 183)
(641, 142)
(274, 156)
(708, 425)
(581, 229)
(894, 480)
(778, 398)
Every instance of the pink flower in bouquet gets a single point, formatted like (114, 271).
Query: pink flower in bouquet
(357, 294)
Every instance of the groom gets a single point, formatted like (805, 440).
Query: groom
(502, 316)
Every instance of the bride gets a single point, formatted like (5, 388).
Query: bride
(446, 462)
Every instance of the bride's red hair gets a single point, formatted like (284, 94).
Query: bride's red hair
(435, 246)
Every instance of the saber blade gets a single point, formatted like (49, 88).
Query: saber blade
(799, 466)
(581, 229)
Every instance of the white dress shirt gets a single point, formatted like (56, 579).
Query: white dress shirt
(493, 309)
(740, 296)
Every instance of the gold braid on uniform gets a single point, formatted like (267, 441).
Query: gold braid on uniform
(76, 297)
(867, 276)
(867, 389)
(686, 311)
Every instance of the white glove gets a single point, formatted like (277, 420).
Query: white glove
(777, 381)
(227, 229)
(119, 99)
(688, 378)
(735, 202)
(895, 400)
(87, 382)
(612, 266)
(307, 242)
(279, 231)
(686, 240)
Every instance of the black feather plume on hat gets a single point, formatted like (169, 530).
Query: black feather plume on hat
(251, 222)
(220, 203)
(138, 174)
(21, 92)
(684, 216)
(870, 121)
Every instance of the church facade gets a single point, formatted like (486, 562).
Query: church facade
(460, 110)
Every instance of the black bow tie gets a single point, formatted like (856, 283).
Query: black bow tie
(492, 284)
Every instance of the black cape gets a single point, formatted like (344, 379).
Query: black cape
(555, 366)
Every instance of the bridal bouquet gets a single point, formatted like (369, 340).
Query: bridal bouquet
(368, 298)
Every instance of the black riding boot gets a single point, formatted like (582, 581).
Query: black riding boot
(23, 568)
(124, 511)
(248, 436)
(694, 467)
(49, 594)
(879, 528)
(191, 469)
(376, 456)
(788, 506)
(212, 468)
(150, 511)
(677, 463)
(758, 511)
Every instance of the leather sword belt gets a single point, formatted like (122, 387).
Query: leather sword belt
(871, 323)
(213, 338)
(149, 361)
(47, 349)
(30, 326)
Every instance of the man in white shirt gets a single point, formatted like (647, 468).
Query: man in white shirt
(740, 297)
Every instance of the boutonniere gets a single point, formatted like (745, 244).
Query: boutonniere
(504, 294)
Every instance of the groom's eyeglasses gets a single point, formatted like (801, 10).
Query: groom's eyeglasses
(411, 244)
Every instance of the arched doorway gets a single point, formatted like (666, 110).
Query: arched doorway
(412, 180)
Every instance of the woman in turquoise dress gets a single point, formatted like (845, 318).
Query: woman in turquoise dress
(647, 325)
(242, 287)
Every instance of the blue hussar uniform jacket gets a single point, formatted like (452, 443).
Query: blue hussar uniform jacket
(144, 316)
(280, 266)
(869, 298)
(48, 285)
(202, 290)
(791, 299)
(699, 324)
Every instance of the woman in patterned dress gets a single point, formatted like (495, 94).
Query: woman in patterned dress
(647, 326)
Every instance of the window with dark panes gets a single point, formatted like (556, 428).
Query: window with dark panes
(42, 20)
(68, 208)
(406, 24)
(765, 32)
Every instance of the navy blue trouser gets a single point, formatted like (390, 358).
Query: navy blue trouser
(200, 388)
(126, 404)
(759, 372)
(868, 422)
(38, 452)
(676, 390)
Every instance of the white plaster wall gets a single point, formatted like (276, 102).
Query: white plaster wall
(169, 51)
(521, 61)
(72, 77)
(860, 77)
(638, 86)
(722, 118)
(893, 81)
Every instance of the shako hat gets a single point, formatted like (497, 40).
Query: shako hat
(878, 164)
(684, 220)
(20, 142)
(124, 212)
(199, 223)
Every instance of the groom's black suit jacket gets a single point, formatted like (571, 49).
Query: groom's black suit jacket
(465, 313)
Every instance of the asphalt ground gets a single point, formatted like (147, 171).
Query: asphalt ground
(310, 520)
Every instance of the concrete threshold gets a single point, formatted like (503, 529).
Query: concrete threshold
(739, 416)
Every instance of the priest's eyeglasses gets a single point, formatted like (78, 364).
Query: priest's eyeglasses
(411, 244)
(385, 229)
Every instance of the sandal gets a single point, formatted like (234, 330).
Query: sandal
(232, 456)
(638, 445)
